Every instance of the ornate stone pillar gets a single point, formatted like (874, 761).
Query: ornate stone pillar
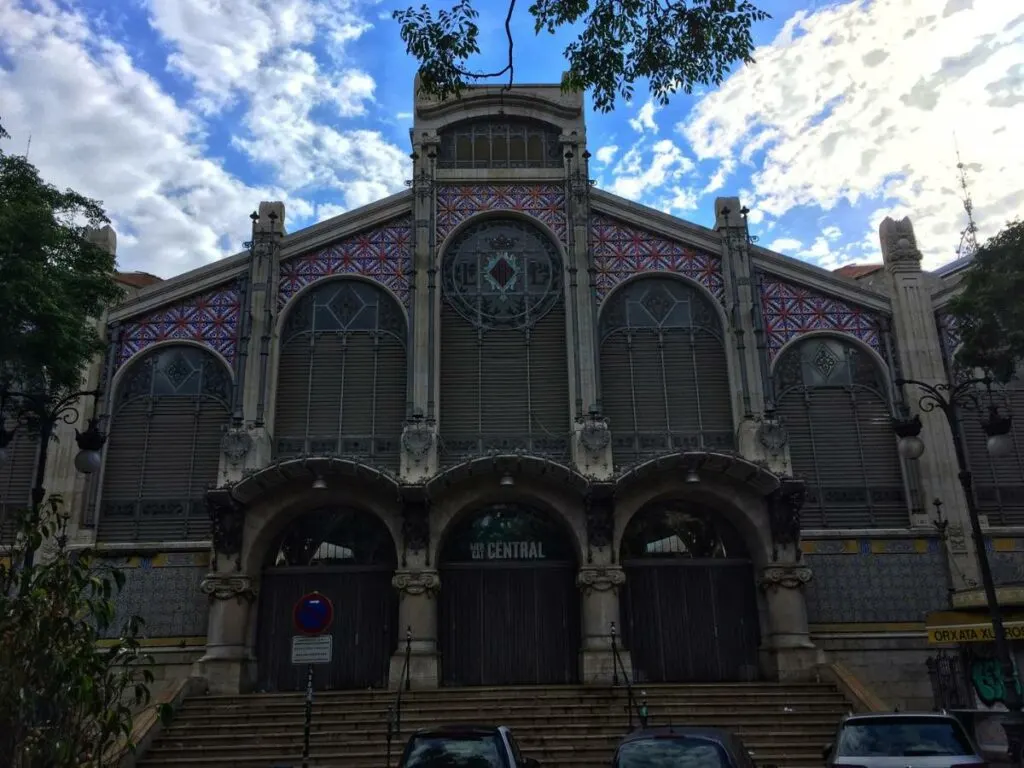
(227, 661)
(417, 619)
(599, 585)
(788, 651)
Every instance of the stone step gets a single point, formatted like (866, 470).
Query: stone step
(754, 721)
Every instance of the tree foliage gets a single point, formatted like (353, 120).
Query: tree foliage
(989, 310)
(64, 701)
(52, 279)
(674, 45)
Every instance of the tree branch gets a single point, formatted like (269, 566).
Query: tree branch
(510, 68)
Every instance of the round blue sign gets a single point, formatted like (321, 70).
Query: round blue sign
(313, 614)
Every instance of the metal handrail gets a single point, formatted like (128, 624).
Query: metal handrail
(632, 703)
(395, 710)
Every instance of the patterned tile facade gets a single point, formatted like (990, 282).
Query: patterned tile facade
(164, 590)
(949, 335)
(383, 254)
(864, 580)
(457, 202)
(1007, 559)
(209, 318)
(621, 250)
(791, 310)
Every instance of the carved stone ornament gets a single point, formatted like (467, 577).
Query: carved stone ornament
(785, 576)
(415, 583)
(417, 439)
(600, 516)
(594, 433)
(957, 538)
(600, 578)
(772, 436)
(898, 241)
(225, 586)
(227, 522)
(236, 444)
(784, 505)
(416, 525)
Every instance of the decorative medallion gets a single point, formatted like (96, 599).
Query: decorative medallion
(594, 434)
(502, 274)
(236, 445)
(417, 439)
(825, 361)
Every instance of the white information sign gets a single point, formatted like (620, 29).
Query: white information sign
(312, 650)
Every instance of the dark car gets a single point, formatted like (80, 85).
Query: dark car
(464, 746)
(670, 746)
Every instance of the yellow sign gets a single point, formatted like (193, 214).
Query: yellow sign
(946, 627)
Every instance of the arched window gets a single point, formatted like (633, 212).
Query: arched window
(330, 537)
(510, 143)
(679, 530)
(169, 414)
(504, 363)
(664, 376)
(341, 387)
(999, 482)
(833, 401)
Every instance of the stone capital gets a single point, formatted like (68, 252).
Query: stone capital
(224, 586)
(415, 583)
(791, 576)
(600, 578)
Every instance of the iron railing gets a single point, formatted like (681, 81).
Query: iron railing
(950, 686)
(395, 710)
(633, 704)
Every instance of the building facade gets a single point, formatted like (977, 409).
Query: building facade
(518, 418)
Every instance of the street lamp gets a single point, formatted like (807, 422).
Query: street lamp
(42, 413)
(951, 400)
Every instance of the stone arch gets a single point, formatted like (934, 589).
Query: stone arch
(665, 368)
(156, 346)
(356, 329)
(318, 283)
(504, 361)
(169, 408)
(846, 338)
(833, 395)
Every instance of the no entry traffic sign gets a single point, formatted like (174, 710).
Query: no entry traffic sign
(313, 614)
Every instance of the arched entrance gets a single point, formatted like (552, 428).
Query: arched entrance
(689, 607)
(349, 556)
(509, 610)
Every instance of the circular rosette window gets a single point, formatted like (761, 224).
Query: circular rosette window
(502, 274)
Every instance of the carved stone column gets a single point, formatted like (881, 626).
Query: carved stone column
(789, 652)
(417, 616)
(599, 586)
(228, 660)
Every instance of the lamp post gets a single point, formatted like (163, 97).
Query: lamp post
(42, 413)
(951, 400)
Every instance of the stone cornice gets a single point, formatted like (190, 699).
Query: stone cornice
(346, 224)
(800, 272)
(486, 102)
(655, 221)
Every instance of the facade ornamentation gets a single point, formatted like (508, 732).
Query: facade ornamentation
(416, 525)
(418, 438)
(792, 310)
(415, 583)
(772, 435)
(784, 505)
(600, 516)
(236, 444)
(621, 251)
(898, 241)
(210, 319)
(543, 202)
(383, 254)
(225, 586)
(600, 578)
(790, 576)
(227, 522)
(957, 538)
(594, 433)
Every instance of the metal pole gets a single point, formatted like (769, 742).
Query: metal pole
(38, 488)
(309, 716)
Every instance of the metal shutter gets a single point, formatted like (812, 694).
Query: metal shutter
(998, 483)
(17, 476)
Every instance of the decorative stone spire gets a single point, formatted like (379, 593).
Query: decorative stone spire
(899, 246)
(105, 237)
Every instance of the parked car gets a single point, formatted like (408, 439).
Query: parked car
(465, 746)
(672, 746)
(902, 740)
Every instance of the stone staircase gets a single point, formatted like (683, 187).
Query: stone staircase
(563, 727)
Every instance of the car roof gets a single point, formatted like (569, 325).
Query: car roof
(897, 715)
(706, 732)
(463, 728)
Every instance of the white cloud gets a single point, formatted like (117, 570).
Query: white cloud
(606, 154)
(105, 128)
(832, 232)
(859, 100)
(326, 211)
(644, 120)
(785, 245)
(404, 116)
(633, 177)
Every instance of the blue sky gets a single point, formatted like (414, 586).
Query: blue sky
(181, 115)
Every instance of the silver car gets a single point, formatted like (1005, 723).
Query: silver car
(902, 740)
